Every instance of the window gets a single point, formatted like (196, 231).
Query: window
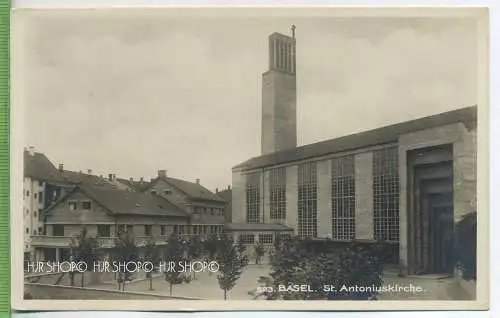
(27, 193)
(154, 192)
(34, 232)
(34, 213)
(247, 238)
(253, 198)
(343, 199)
(195, 230)
(277, 178)
(167, 191)
(121, 228)
(103, 230)
(57, 230)
(307, 200)
(266, 238)
(162, 230)
(130, 229)
(148, 230)
(285, 236)
(27, 212)
(179, 229)
(86, 205)
(40, 184)
(72, 205)
(40, 197)
(35, 195)
(40, 230)
(386, 194)
(27, 231)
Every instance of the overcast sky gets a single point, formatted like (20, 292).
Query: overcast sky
(133, 93)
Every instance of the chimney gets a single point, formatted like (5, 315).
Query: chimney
(89, 171)
(142, 179)
(131, 179)
(216, 190)
(31, 150)
(61, 167)
(162, 173)
(114, 177)
(197, 181)
(229, 187)
(110, 177)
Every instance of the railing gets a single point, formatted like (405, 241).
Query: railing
(103, 242)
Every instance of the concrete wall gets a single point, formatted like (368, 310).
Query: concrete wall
(363, 169)
(464, 187)
(32, 207)
(324, 171)
(266, 199)
(292, 193)
(238, 197)
(279, 104)
(40, 291)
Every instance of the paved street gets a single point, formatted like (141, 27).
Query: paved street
(206, 287)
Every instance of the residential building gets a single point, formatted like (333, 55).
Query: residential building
(44, 184)
(226, 195)
(206, 209)
(105, 212)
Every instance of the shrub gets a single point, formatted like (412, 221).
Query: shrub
(466, 234)
(344, 268)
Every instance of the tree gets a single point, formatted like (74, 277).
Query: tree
(211, 246)
(174, 253)
(231, 264)
(242, 248)
(259, 252)
(152, 255)
(195, 249)
(83, 249)
(289, 265)
(125, 251)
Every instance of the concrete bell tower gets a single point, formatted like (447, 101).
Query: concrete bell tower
(279, 96)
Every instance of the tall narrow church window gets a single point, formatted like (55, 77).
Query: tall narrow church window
(253, 198)
(307, 200)
(386, 194)
(277, 185)
(343, 199)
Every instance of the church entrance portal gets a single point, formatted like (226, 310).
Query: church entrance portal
(431, 226)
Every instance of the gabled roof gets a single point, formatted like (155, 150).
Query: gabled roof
(384, 135)
(137, 185)
(120, 202)
(225, 195)
(191, 189)
(37, 166)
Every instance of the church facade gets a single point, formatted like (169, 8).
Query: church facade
(406, 184)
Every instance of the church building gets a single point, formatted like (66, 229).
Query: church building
(407, 183)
